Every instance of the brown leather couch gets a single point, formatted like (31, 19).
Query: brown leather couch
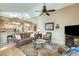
(24, 39)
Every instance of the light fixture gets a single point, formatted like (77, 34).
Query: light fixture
(16, 23)
(57, 26)
(27, 25)
(38, 29)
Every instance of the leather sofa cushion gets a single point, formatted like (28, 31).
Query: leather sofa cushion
(24, 39)
(25, 35)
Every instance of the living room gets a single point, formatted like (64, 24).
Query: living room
(33, 31)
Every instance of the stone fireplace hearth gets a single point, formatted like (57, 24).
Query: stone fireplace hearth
(71, 41)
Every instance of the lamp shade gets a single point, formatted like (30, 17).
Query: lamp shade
(57, 26)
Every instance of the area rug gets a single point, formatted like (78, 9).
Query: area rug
(29, 49)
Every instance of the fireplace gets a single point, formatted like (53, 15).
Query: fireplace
(72, 36)
(76, 42)
(69, 41)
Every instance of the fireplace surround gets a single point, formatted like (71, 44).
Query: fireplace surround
(71, 41)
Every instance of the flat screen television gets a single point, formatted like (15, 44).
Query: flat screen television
(72, 30)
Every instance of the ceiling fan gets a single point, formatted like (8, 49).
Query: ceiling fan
(45, 11)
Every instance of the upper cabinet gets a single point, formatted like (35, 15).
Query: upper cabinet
(8, 24)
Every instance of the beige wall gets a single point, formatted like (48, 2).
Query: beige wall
(63, 17)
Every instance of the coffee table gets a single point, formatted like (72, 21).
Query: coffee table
(39, 43)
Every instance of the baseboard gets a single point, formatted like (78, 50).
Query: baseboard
(59, 43)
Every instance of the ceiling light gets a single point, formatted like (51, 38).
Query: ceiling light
(17, 23)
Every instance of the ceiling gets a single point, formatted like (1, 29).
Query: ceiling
(17, 7)
(27, 10)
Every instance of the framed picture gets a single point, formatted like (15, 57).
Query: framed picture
(49, 26)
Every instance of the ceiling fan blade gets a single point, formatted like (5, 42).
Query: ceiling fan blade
(41, 14)
(51, 10)
(38, 11)
(47, 14)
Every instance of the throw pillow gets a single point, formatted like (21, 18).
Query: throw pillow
(18, 37)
